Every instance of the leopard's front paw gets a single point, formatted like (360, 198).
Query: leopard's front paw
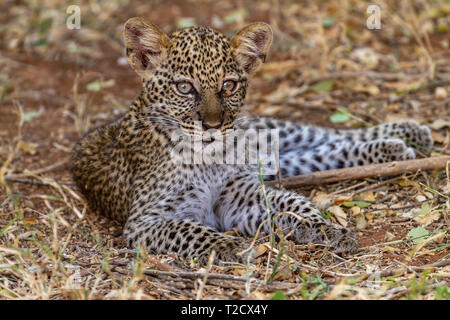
(395, 150)
(235, 250)
(340, 239)
(413, 134)
(387, 150)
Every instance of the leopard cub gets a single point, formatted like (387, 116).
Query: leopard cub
(195, 75)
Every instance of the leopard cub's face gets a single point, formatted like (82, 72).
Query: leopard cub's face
(194, 78)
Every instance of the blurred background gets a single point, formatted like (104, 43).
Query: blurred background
(325, 67)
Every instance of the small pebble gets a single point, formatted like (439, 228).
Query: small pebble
(440, 93)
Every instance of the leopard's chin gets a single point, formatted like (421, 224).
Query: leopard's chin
(207, 142)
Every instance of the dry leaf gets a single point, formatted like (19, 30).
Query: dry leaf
(342, 199)
(283, 92)
(437, 238)
(389, 236)
(367, 196)
(239, 271)
(437, 137)
(28, 147)
(30, 221)
(361, 222)
(356, 211)
(260, 250)
(371, 89)
(284, 273)
(272, 110)
(409, 183)
(428, 218)
(439, 124)
(278, 66)
(446, 142)
(440, 93)
(369, 216)
(339, 214)
(323, 200)
(420, 198)
(393, 117)
(390, 249)
(367, 56)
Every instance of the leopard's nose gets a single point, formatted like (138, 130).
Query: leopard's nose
(211, 125)
(212, 121)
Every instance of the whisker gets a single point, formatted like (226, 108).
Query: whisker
(160, 120)
(241, 119)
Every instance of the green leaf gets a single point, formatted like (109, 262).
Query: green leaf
(418, 234)
(28, 116)
(442, 293)
(236, 16)
(361, 204)
(97, 85)
(94, 86)
(278, 295)
(328, 22)
(186, 23)
(277, 264)
(45, 25)
(326, 214)
(50, 197)
(323, 86)
(412, 87)
(441, 28)
(426, 209)
(340, 116)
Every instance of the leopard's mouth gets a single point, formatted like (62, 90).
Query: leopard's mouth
(210, 137)
(208, 140)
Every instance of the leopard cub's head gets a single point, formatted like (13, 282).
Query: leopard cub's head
(194, 75)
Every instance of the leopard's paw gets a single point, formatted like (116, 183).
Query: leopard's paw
(387, 150)
(236, 250)
(414, 134)
(340, 239)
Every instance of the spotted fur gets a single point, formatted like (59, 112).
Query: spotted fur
(126, 172)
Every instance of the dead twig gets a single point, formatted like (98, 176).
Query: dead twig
(390, 272)
(34, 182)
(377, 185)
(52, 166)
(222, 277)
(354, 173)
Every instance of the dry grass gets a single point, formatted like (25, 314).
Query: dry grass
(57, 83)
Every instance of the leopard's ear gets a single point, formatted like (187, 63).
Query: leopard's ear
(251, 45)
(146, 45)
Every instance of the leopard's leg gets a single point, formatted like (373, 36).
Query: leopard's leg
(343, 154)
(297, 136)
(409, 131)
(291, 135)
(242, 205)
(160, 231)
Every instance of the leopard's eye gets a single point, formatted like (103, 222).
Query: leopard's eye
(228, 86)
(184, 87)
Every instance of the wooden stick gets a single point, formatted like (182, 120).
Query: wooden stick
(278, 285)
(375, 170)
(34, 182)
(390, 272)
